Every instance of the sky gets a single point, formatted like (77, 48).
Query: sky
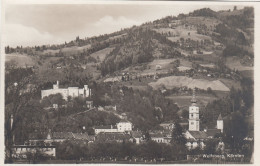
(39, 24)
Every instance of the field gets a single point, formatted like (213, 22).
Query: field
(180, 81)
(181, 32)
(229, 83)
(209, 65)
(74, 50)
(101, 54)
(210, 22)
(21, 60)
(234, 63)
(150, 68)
(67, 51)
(183, 101)
(117, 37)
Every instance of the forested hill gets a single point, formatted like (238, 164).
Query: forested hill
(169, 37)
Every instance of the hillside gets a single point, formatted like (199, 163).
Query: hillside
(199, 49)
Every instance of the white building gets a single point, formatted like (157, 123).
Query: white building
(220, 124)
(105, 129)
(21, 151)
(194, 120)
(66, 92)
(160, 138)
(124, 125)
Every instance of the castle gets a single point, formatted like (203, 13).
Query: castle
(66, 92)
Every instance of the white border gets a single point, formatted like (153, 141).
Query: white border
(256, 65)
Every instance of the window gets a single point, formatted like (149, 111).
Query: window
(192, 123)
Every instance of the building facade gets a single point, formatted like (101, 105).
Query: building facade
(21, 151)
(122, 126)
(66, 92)
(220, 123)
(194, 120)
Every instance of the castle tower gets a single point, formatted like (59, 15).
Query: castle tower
(220, 124)
(56, 86)
(194, 121)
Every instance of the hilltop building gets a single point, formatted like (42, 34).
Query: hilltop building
(66, 92)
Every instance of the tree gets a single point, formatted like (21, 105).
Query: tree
(177, 135)
(15, 104)
(235, 130)
(211, 146)
(185, 114)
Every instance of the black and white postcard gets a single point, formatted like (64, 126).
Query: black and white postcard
(128, 82)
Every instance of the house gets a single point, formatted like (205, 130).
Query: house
(160, 137)
(124, 125)
(113, 137)
(22, 151)
(51, 137)
(66, 92)
(157, 137)
(105, 129)
(158, 67)
(211, 133)
(195, 139)
(167, 125)
(89, 104)
(137, 136)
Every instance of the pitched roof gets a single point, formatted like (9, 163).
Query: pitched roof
(116, 136)
(157, 135)
(124, 121)
(220, 117)
(198, 134)
(105, 127)
(62, 135)
(136, 134)
(166, 123)
(81, 136)
(212, 132)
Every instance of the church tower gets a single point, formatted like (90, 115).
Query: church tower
(220, 123)
(194, 121)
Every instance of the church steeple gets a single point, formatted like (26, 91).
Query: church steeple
(194, 120)
(193, 99)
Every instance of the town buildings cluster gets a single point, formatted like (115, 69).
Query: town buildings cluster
(122, 131)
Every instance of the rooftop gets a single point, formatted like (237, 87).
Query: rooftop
(198, 134)
(106, 127)
(124, 121)
(212, 132)
(220, 117)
